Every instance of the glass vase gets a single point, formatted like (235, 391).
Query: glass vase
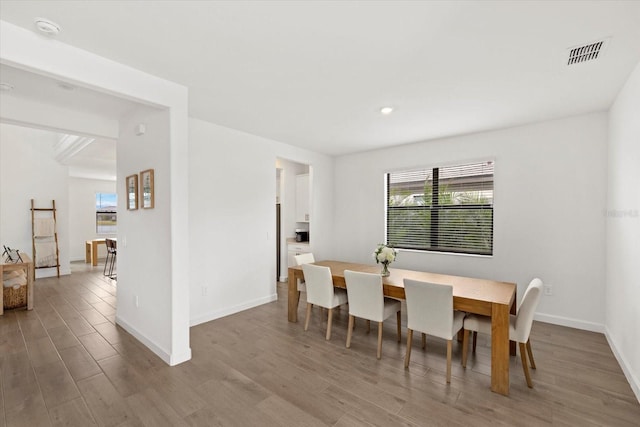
(385, 269)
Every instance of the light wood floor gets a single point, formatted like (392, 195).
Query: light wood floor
(65, 363)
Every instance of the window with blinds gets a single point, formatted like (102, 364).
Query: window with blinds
(445, 209)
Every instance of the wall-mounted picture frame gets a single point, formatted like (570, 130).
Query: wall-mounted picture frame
(146, 189)
(132, 192)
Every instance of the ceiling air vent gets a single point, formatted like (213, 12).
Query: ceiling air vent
(587, 52)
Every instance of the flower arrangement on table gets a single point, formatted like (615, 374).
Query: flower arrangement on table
(385, 255)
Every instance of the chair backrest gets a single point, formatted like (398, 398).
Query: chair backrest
(111, 245)
(429, 308)
(304, 259)
(319, 285)
(364, 291)
(524, 317)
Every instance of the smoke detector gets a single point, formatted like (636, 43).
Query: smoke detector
(47, 27)
(587, 52)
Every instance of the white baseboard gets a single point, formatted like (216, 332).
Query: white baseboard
(216, 314)
(180, 358)
(569, 322)
(634, 382)
(159, 351)
(284, 279)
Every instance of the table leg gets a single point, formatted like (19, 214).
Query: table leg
(500, 349)
(292, 297)
(94, 253)
(512, 344)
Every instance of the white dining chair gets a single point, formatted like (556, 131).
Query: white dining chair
(306, 258)
(519, 327)
(367, 301)
(320, 292)
(430, 311)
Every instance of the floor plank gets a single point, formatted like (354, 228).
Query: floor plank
(104, 402)
(56, 384)
(72, 413)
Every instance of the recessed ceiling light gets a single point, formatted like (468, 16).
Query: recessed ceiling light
(47, 27)
(386, 110)
(6, 87)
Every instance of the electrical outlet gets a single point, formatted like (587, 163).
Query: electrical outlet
(136, 301)
(548, 289)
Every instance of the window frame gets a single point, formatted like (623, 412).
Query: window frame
(98, 212)
(435, 209)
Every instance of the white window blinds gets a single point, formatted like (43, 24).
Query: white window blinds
(446, 209)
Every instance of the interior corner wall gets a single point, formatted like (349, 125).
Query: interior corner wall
(28, 171)
(232, 194)
(82, 214)
(549, 195)
(623, 230)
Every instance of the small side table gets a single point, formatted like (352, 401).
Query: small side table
(27, 266)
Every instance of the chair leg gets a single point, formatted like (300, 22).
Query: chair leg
(349, 331)
(306, 319)
(329, 321)
(424, 340)
(399, 320)
(531, 361)
(465, 347)
(475, 339)
(379, 340)
(523, 357)
(113, 262)
(106, 261)
(449, 361)
(408, 355)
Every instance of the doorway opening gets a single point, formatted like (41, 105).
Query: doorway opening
(293, 213)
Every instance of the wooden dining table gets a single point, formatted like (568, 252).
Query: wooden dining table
(479, 296)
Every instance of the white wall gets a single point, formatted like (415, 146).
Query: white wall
(29, 171)
(232, 217)
(548, 222)
(623, 230)
(144, 245)
(82, 214)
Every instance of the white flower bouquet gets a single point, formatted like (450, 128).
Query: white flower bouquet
(385, 255)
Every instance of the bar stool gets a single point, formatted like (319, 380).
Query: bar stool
(111, 258)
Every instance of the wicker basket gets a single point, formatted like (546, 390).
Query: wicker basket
(14, 298)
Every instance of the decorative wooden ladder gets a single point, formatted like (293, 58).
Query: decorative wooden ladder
(52, 209)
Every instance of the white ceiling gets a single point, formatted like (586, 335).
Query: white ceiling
(314, 74)
(97, 161)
